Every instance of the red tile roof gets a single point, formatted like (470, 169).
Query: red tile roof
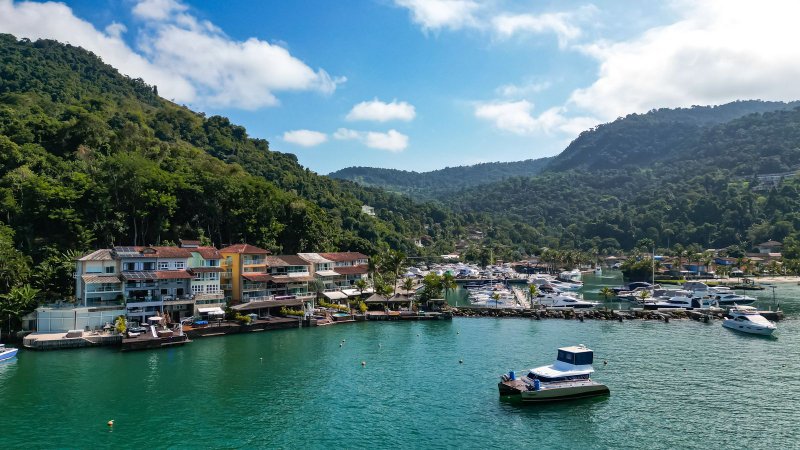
(173, 275)
(245, 249)
(344, 256)
(208, 252)
(351, 270)
(286, 260)
(256, 276)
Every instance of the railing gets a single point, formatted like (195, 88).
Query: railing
(253, 261)
(209, 296)
(226, 287)
(262, 298)
(253, 287)
(105, 289)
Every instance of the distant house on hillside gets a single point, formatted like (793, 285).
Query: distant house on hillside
(368, 210)
(769, 247)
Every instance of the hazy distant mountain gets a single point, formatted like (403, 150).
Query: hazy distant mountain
(440, 182)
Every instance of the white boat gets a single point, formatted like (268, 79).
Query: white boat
(562, 301)
(734, 299)
(572, 276)
(569, 377)
(598, 271)
(747, 320)
(7, 352)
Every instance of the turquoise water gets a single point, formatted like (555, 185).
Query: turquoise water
(677, 385)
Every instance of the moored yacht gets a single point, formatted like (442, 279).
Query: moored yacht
(7, 352)
(567, 378)
(734, 299)
(747, 320)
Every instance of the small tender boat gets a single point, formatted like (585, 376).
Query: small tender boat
(734, 299)
(7, 352)
(566, 379)
(747, 320)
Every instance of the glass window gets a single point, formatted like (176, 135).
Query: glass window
(180, 265)
(110, 269)
(163, 265)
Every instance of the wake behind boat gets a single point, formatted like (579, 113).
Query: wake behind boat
(7, 352)
(566, 379)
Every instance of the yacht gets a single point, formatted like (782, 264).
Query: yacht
(7, 352)
(562, 301)
(568, 378)
(679, 302)
(734, 299)
(747, 320)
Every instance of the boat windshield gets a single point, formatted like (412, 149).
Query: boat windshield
(577, 359)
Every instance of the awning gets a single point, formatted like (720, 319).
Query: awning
(207, 269)
(252, 306)
(173, 275)
(356, 292)
(216, 311)
(256, 276)
(335, 295)
(327, 273)
(155, 319)
(100, 279)
(285, 279)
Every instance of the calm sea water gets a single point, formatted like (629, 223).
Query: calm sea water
(677, 385)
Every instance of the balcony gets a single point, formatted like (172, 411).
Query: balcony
(253, 287)
(261, 298)
(209, 296)
(226, 287)
(254, 261)
(104, 289)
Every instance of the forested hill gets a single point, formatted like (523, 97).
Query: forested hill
(710, 190)
(91, 158)
(438, 183)
(640, 140)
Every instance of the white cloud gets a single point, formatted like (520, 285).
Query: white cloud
(191, 61)
(436, 14)
(516, 117)
(116, 29)
(157, 9)
(507, 25)
(719, 51)
(392, 140)
(379, 111)
(305, 138)
(523, 90)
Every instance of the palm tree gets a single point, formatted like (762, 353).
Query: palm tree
(606, 293)
(533, 292)
(393, 260)
(318, 287)
(644, 294)
(361, 285)
(448, 283)
(496, 297)
(408, 284)
(18, 302)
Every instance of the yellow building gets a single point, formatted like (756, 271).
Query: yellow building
(245, 273)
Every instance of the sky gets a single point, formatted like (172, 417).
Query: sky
(426, 84)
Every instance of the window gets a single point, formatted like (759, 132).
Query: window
(197, 289)
(110, 269)
(212, 276)
(180, 265)
(149, 266)
(163, 265)
(129, 267)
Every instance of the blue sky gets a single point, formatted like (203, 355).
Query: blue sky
(425, 84)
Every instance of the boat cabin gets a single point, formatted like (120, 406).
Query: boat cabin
(572, 363)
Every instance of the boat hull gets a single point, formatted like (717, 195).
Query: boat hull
(8, 354)
(553, 392)
(745, 328)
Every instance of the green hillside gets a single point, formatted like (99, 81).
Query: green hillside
(442, 182)
(704, 190)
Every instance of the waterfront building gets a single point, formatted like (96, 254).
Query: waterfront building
(289, 276)
(323, 272)
(152, 276)
(205, 267)
(97, 280)
(350, 266)
(244, 275)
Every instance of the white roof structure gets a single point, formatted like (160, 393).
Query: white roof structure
(213, 311)
(335, 295)
(315, 258)
(327, 273)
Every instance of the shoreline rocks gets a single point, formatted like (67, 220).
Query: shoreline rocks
(596, 314)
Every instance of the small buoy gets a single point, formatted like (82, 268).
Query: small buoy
(340, 345)
(363, 363)
(458, 332)
(605, 362)
(461, 361)
(342, 340)
(418, 335)
(261, 359)
(111, 423)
